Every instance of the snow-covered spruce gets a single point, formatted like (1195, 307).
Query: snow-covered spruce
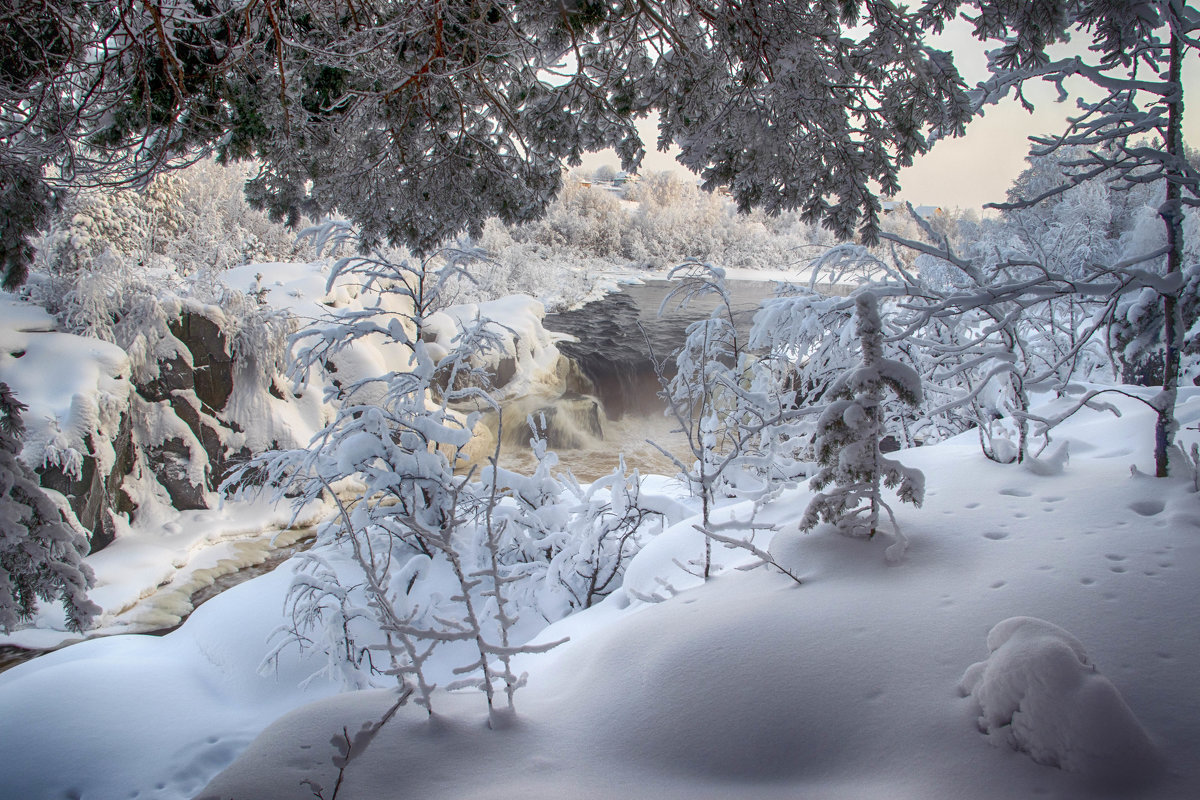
(848, 436)
(41, 556)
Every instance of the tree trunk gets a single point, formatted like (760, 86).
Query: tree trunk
(1172, 216)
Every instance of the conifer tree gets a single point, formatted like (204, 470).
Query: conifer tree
(41, 557)
(848, 436)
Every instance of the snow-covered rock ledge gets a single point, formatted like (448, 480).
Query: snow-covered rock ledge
(134, 443)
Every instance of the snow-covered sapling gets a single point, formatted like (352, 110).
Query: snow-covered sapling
(848, 436)
(701, 394)
(415, 559)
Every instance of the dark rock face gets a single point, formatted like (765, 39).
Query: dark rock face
(169, 461)
(204, 428)
(174, 375)
(195, 393)
(505, 371)
(94, 496)
(212, 364)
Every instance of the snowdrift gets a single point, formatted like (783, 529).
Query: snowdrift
(846, 686)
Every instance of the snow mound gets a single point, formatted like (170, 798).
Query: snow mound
(1052, 463)
(1039, 693)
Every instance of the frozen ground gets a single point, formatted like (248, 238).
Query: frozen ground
(860, 683)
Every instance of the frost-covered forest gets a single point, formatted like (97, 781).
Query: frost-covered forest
(309, 493)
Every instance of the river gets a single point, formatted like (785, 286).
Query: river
(621, 412)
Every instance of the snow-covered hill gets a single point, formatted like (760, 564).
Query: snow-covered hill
(850, 685)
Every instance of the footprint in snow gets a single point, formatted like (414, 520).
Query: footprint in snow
(1147, 508)
(995, 535)
(1016, 493)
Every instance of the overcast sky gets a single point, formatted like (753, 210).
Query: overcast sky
(978, 167)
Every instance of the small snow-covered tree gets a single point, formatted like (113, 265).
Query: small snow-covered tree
(738, 427)
(41, 556)
(848, 435)
(415, 559)
(700, 395)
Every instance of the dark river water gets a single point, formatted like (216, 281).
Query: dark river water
(618, 334)
(620, 412)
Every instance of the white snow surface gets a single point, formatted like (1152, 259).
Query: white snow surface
(748, 685)
(72, 385)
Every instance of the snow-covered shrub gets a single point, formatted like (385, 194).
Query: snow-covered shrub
(560, 275)
(848, 435)
(741, 422)
(41, 556)
(1039, 693)
(702, 394)
(181, 222)
(568, 545)
(415, 559)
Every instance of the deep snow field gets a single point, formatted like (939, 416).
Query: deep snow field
(855, 684)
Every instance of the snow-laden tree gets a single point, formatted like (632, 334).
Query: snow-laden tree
(41, 556)
(740, 429)
(848, 436)
(701, 394)
(419, 118)
(1131, 133)
(415, 559)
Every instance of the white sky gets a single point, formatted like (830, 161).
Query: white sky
(974, 169)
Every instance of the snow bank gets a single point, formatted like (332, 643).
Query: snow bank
(532, 366)
(750, 686)
(75, 387)
(196, 694)
(1039, 693)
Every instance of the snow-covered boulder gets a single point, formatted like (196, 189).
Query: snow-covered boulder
(526, 362)
(1039, 693)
